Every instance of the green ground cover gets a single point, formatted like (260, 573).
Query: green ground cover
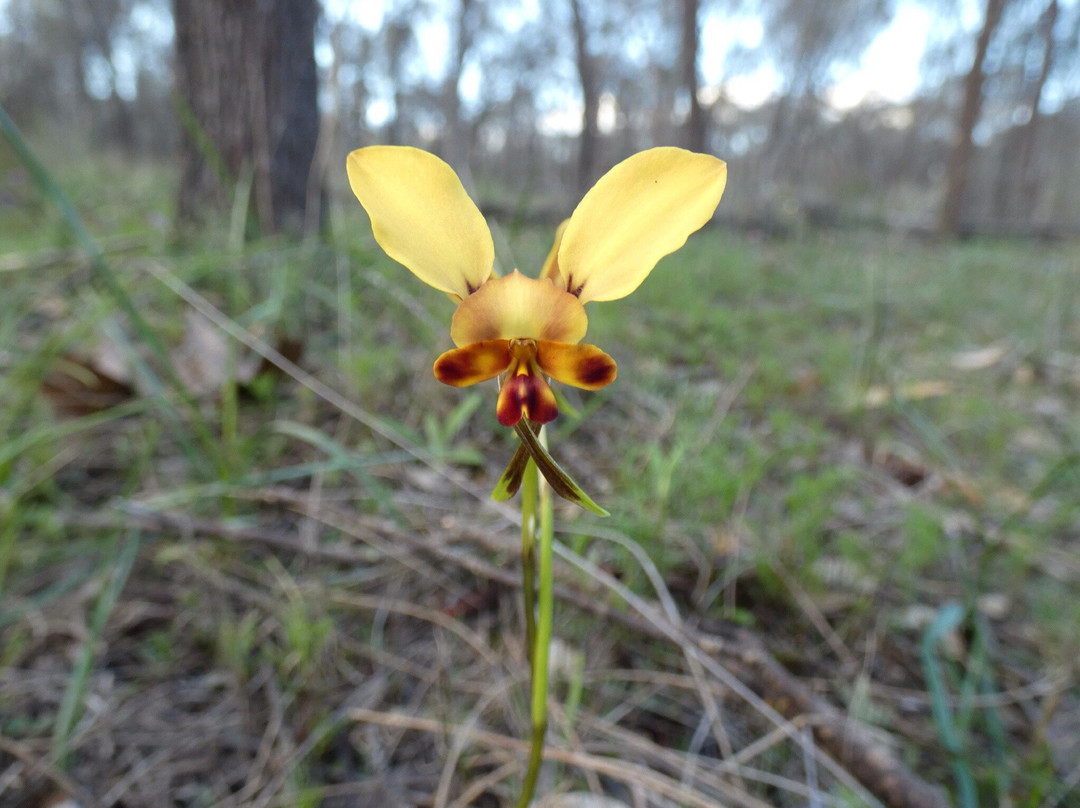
(828, 440)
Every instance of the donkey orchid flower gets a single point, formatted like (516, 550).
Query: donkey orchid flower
(518, 328)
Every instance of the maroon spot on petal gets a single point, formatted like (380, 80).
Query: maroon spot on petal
(540, 405)
(471, 364)
(526, 395)
(453, 369)
(509, 408)
(597, 371)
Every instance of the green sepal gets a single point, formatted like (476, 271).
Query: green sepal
(561, 482)
(510, 481)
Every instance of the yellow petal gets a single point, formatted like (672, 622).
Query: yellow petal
(422, 217)
(584, 366)
(640, 211)
(517, 307)
(473, 363)
(550, 269)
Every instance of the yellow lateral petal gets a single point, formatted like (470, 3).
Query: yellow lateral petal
(473, 363)
(640, 211)
(422, 217)
(550, 270)
(515, 306)
(584, 366)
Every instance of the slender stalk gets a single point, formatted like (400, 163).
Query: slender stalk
(545, 607)
(530, 492)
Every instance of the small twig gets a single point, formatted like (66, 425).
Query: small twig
(35, 763)
(814, 615)
(626, 772)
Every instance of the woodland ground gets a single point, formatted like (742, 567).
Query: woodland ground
(840, 462)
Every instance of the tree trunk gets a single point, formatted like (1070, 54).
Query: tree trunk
(959, 169)
(398, 36)
(688, 58)
(590, 93)
(1028, 182)
(455, 145)
(247, 87)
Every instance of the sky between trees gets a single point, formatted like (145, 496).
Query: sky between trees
(826, 109)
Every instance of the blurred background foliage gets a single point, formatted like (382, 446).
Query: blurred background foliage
(948, 115)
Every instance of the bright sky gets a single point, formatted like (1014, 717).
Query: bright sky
(890, 67)
(889, 70)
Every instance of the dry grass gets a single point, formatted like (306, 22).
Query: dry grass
(322, 655)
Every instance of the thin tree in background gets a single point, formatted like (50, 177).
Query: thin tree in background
(455, 138)
(1028, 184)
(398, 38)
(590, 95)
(247, 85)
(960, 161)
(691, 78)
(96, 21)
(807, 41)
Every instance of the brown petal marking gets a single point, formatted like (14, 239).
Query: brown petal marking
(474, 363)
(509, 408)
(526, 395)
(580, 365)
(597, 371)
(540, 406)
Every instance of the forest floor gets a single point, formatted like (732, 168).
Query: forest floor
(842, 566)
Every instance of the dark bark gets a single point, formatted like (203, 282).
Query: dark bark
(455, 146)
(119, 124)
(960, 161)
(688, 57)
(1028, 182)
(246, 84)
(399, 36)
(590, 93)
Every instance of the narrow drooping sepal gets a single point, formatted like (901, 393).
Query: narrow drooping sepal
(510, 480)
(561, 482)
(474, 363)
(550, 269)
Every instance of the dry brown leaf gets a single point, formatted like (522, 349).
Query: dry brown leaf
(80, 385)
(204, 360)
(904, 467)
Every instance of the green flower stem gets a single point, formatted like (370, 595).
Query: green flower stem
(536, 492)
(530, 490)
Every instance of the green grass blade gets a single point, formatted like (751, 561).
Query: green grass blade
(118, 567)
(52, 191)
(949, 616)
(65, 429)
